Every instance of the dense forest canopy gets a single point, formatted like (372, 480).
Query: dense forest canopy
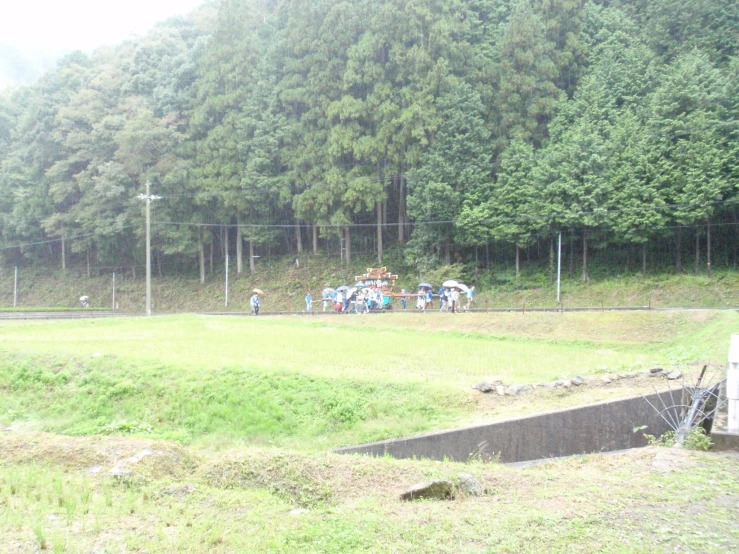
(441, 126)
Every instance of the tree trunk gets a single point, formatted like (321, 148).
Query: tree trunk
(201, 255)
(379, 232)
(348, 245)
(697, 251)
(88, 263)
(239, 249)
(64, 254)
(448, 252)
(401, 210)
(585, 255)
(252, 269)
(133, 271)
(315, 239)
(678, 250)
(159, 264)
(572, 254)
(298, 236)
(644, 260)
(518, 261)
(551, 260)
(211, 255)
(708, 247)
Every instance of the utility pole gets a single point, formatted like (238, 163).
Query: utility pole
(559, 265)
(148, 197)
(226, 303)
(114, 291)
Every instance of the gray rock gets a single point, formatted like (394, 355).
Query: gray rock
(677, 374)
(500, 389)
(174, 490)
(513, 390)
(606, 379)
(94, 469)
(440, 490)
(483, 387)
(577, 381)
(566, 383)
(655, 374)
(656, 370)
(117, 471)
(468, 485)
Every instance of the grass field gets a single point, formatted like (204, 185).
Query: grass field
(240, 413)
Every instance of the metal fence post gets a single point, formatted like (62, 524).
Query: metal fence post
(732, 385)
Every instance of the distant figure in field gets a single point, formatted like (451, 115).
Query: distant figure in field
(255, 303)
(454, 296)
(403, 299)
(308, 302)
(421, 301)
(84, 301)
(430, 299)
(442, 299)
(326, 298)
(470, 296)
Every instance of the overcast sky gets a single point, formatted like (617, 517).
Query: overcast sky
(52, 26)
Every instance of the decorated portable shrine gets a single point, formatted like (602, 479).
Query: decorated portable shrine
(378, 277)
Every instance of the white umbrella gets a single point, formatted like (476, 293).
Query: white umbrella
(464, 288)
(450, 284)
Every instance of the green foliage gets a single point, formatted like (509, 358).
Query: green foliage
(512, 120)
(695, 440)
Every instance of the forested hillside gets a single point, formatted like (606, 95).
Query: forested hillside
(451, 131)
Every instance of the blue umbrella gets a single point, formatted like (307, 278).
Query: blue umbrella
(360, 285)
(425, 286)
(341, 288)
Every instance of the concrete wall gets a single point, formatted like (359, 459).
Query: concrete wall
(595, 428)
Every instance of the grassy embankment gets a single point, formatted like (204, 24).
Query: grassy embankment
(286, 285)
(182, 500)
(262, 400)
(321, 382)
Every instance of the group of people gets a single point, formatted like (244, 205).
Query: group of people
(365, 299)
(449, 299)
(360, 300)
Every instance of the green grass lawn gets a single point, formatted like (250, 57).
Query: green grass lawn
(246, 409)
(316, 383)
(244, 501)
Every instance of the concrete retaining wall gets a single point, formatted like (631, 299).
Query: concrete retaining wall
(594, 428)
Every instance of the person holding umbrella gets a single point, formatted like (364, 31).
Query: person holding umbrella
(454, 297)
(308, 302)
(255, 303)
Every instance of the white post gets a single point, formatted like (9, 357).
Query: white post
(559, 265)
(148, 250)
(114, 291)
(732, 385)
(15, 288)
(226, 279)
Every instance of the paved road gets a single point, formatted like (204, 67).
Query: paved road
(94, 314)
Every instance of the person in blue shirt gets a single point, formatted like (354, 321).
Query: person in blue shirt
(403, 299)
(255, 303)
(470, 296)
(308, 302)
(430, 299)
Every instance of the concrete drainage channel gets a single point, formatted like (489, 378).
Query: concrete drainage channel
(602, 427)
